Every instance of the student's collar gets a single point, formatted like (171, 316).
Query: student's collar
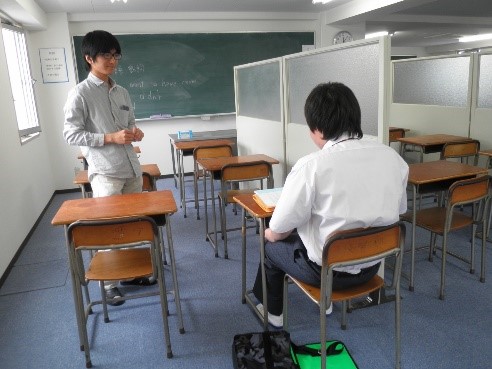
(98, 81)
(342, 138)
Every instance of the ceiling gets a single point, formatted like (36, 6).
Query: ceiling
(419, 23)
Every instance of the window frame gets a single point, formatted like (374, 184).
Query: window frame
(28, 126)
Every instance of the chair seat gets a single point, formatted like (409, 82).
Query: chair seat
(432, 219)
(120, 264)
(361, 290)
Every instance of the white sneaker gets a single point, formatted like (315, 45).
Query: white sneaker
(330, 309)
(276, 320)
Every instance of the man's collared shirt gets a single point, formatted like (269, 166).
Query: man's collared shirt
(348, 184)
(94, 108)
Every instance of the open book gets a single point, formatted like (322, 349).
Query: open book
(267, 199)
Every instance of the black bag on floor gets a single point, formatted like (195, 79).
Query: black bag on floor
(274, 350)
(262, 350)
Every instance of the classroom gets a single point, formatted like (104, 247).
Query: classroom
(40, 170)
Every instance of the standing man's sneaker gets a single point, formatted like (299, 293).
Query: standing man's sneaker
(113, 293)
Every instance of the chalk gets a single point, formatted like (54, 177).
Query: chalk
(161, 116)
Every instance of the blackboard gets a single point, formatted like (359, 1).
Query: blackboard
(190, 74)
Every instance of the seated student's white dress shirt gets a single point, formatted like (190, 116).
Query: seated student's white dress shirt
(347, 184)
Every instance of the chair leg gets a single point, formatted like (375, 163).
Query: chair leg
(104, 302)
(223, 224)
(472, 249)
(484, 251)
(344, 314)
(83, 327)
(397, 327)
(443, 265)
(163, 296)
(285, 310)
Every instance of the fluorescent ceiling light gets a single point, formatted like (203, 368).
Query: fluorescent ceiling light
(112, 1)
(377, 34)
(321, 1)
(486, 36)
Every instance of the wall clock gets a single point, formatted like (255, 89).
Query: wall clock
(341, 37)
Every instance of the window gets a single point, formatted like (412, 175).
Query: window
(21, 81)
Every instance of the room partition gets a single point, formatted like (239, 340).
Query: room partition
(270, 97)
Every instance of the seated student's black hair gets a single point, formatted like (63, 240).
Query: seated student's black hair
(96, 42)
(333, 109)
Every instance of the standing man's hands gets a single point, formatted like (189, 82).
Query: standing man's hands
(124, 137)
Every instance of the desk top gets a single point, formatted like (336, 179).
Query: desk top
(191, 145)
(432, 140)
(206, 135)
(441, 170)
(81, 177)
(133, 204)
(135, 148)
(215, 164)
(247, 202)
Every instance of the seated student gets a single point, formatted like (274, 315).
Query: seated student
(349, 183)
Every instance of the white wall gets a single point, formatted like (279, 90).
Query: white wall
(26, 176)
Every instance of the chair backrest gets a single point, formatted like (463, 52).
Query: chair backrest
(240, 172)
(462, 150)
(114, 232)
(396, 133)
(217, 151)
(352, 247)
(468, 191)
(148, 184)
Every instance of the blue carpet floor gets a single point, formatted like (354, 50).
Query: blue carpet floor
(38, 326)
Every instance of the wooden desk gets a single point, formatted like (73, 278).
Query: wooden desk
(197, 136)
(434, 176)
(249, 206)
(82, 179)
(86, 165)
(427, 144)
(183, 148)
(153, 204)
(214, 165)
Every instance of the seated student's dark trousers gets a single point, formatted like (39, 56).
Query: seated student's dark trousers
(290, 256)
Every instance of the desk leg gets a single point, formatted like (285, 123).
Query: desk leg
(263, 274)
(243, 257)
(174, 163)
(214, 219)
(182, 182)
(412, 251)
(174, 274)
(79, 305)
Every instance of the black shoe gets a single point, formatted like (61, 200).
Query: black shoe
(113, 293)
(143, 281)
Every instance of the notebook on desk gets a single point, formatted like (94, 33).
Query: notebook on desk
(267, 199)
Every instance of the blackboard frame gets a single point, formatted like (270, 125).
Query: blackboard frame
(190, 74)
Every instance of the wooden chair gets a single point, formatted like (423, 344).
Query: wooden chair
(354, 247)
(132, 251)
(203, 152)
(148, 182)
(230, 177)
(396, 133)
(463, 150)
(443, 219)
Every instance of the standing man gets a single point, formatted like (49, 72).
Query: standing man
(99, 118)
(349, 183)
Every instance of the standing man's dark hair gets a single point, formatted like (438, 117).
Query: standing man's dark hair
(333, 109)
(98, 42)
